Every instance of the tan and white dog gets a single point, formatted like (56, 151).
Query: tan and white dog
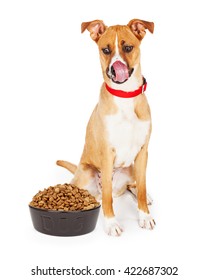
(117, 136)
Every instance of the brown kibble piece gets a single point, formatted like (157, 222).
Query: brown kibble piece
(57, 190)
(64, 197)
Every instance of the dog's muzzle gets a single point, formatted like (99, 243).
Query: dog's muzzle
(119, 72)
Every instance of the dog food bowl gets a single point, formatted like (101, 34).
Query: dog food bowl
(64, 223)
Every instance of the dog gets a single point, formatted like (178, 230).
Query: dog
(115, 153)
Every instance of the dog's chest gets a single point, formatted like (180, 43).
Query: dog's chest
(126, 132)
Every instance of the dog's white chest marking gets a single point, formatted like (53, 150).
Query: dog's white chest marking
(126, 133)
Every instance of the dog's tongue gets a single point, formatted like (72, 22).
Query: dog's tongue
(121, 71)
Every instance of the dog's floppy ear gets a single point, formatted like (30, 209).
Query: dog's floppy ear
(95, 27)
(138, 27)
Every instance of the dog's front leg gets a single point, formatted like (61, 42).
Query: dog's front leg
(145, 219)
(111, 225)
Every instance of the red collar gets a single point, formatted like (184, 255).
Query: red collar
(127, 94)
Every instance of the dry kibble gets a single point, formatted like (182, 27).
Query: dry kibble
(57, 190)
(64, 197)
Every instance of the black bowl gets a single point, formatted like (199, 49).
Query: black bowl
(64, 223)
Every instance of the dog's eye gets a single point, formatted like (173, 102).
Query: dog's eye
(127, 49)
(106, 50)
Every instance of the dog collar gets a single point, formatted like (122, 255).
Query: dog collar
(127, 94)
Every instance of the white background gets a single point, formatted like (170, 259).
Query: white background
(50, 78)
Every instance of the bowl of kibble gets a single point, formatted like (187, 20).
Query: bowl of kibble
(64, 210)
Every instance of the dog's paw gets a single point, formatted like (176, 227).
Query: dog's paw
(146, 221)
(149, 200)
(112, 227)
(134, 192)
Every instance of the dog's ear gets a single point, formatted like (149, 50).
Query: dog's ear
(95, 27)
(138, 27)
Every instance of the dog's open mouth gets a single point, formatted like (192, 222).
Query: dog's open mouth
(119, 72)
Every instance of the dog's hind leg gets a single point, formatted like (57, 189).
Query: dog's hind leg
(132, 189)
(84, 178)
(121, 178)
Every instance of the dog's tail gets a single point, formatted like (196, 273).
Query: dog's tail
(68, 165)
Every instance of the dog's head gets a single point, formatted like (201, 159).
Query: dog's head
(119, 48)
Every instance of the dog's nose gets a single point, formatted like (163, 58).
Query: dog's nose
(113, 72)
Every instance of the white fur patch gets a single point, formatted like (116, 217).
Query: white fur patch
(120, 180)
(116, 55)
(126, 133)
(112, 227)
(145, 220)
(93, 188)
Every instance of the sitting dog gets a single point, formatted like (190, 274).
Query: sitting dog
(115, 153)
